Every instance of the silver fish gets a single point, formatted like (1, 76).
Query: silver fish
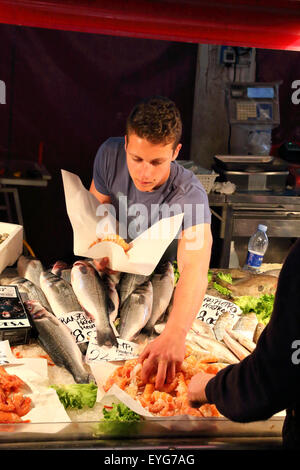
(225, 320)
(136, 311)
(246, 325)
(93, 298)
(202, 328)
(30, 268)
(58, 341)
(242, 339)
(31, 291)
(59, 293)
(128, 283)
(213, 346)
(7, 275)
(235, 346)
(163, 287)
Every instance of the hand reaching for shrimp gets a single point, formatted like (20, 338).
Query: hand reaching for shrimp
(163, 357)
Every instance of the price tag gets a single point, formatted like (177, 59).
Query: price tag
(80, 325)
(212, 307)
(6, 356)
(125, 350)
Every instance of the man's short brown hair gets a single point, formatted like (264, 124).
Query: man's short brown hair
(156, 119)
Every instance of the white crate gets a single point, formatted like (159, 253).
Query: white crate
(12, 247)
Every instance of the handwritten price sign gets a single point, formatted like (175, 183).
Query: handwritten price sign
(212, 307)
(125, 350)
(80, 324)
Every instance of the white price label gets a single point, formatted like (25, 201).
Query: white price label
(212, 307)
(125, 350)
(80, 325)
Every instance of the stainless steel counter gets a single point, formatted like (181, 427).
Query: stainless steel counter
(241, 212)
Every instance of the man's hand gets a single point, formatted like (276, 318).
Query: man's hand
(196, 389)
(102, 266)
(163, 356)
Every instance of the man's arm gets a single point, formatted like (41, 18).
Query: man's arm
(102, 198)
(165, 353)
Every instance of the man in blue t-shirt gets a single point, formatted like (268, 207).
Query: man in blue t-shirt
(139, 177)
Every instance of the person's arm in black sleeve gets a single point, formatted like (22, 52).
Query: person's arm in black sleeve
(267, 381)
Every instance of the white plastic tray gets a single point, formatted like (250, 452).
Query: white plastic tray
(12, 247)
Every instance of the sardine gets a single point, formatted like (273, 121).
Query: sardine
(213, 346)
(93, 298)
(128, 283)
(258, 331)
(235, 346)
(30, 268)
(31, 291)
(246, 325)
(202, 328)
(59, 293)
(136, 311)
(225, 320)
(242, 339)
(58, 341)
(163, 287)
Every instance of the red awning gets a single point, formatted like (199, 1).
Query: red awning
(247, 23)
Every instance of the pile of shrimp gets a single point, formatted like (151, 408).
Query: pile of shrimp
(13, 405)
(172, 398)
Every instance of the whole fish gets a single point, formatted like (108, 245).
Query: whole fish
(242, 339)
(136, 311)
(225, 320)
(258, 331)
(32, 291)
(128, 283)
(30, 268)
(202, 328)
(7, 275)
(59, 293)
(246, 325)
(58, 341)
(235, 346)
(163, 287)
(92, 295)
(213, 346)
(255, 285)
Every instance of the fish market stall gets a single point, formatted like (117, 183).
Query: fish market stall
(75, 379)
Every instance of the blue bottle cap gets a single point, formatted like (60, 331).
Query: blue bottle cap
(263, 228)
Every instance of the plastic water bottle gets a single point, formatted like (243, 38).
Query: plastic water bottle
(257, 247)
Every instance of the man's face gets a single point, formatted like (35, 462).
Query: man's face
(149, 164)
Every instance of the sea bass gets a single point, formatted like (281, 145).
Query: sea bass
(63, 270)
(30, 268)
(163, 286)
(128, 283)
(136, 311)
(59, 293)
(32, 291)
(213, 346)
(113, 295)
(93, 298)
(225, 320)
(58, 341)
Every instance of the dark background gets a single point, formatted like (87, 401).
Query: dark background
(72, 91)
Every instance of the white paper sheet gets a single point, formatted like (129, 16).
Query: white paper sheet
(147, 249)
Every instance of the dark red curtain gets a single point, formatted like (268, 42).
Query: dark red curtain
(257, 23)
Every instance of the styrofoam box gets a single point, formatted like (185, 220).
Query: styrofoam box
(12, 247)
